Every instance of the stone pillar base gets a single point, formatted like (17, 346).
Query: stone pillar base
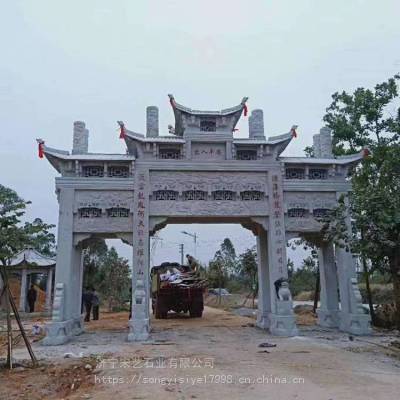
(138, 330)
(283, 325)
(328, 318)
(357, 324)
(60, 332)
(262, 320)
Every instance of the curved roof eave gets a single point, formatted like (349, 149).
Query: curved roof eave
(224, 112)
(341, 160)
(33, 257)
(55, 156)
(160, 139)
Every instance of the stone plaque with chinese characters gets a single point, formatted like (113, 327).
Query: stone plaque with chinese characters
(208, 151)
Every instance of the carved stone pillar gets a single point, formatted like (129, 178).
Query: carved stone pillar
(23, 293)
(282, 319)
(139, 324)
(352, 318)
(67, 320)
(228, 150)
(264, 285)
(328, 312)
(188, 149)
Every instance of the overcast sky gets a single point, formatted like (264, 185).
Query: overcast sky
(100, 61)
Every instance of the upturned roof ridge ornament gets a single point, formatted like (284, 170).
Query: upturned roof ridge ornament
(122, 133)
(293, 131)
(40, 143)
(243, 103)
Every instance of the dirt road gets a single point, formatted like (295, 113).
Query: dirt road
(218, 357)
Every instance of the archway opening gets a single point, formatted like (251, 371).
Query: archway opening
(106, 281)
(225, 255)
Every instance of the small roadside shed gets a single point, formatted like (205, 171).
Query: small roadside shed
(26, 263)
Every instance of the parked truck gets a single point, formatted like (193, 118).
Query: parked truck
(176, 287)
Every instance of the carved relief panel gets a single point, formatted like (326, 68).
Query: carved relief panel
(209, 181)
(103, 211)
(310, 200)
(103, 199)
(208, 193)
(303, 208)
(209, 208)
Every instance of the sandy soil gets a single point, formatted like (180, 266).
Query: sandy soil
(215, 357)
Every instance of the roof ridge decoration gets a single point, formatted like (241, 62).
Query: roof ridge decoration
(122, 133)
(40, 143)
(180, 110)
(226, 111)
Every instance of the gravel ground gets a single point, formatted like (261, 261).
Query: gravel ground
(219, 357)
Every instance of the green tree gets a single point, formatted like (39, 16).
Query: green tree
(309, 151)
(217, 274)
(16, 235)
(114, 279)
(365, 118)
(40, 237)
(94, 254)
(228, 254)
(248, 271)
(303, 279)
(370, 118)
(223, 265)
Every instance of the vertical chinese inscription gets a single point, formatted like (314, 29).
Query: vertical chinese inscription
(139, 323)
(141, 226)
(277, 228)
(140, 274)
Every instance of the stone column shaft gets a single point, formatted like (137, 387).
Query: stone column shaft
(282, 320)
(66, 313)
(68, 256)
(352, 317)
(264, 285)
(328, 312)
(139, 324)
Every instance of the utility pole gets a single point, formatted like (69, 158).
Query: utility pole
(153, 248)
(181, 250)
(194, 236)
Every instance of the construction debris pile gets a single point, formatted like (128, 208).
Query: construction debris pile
(174, 274)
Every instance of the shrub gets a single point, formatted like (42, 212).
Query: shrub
(381, 294)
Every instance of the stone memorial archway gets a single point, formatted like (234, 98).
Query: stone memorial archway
(197, 173)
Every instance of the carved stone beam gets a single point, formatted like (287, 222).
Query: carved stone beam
(126, 237)
(157, 223)
(79, 238)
